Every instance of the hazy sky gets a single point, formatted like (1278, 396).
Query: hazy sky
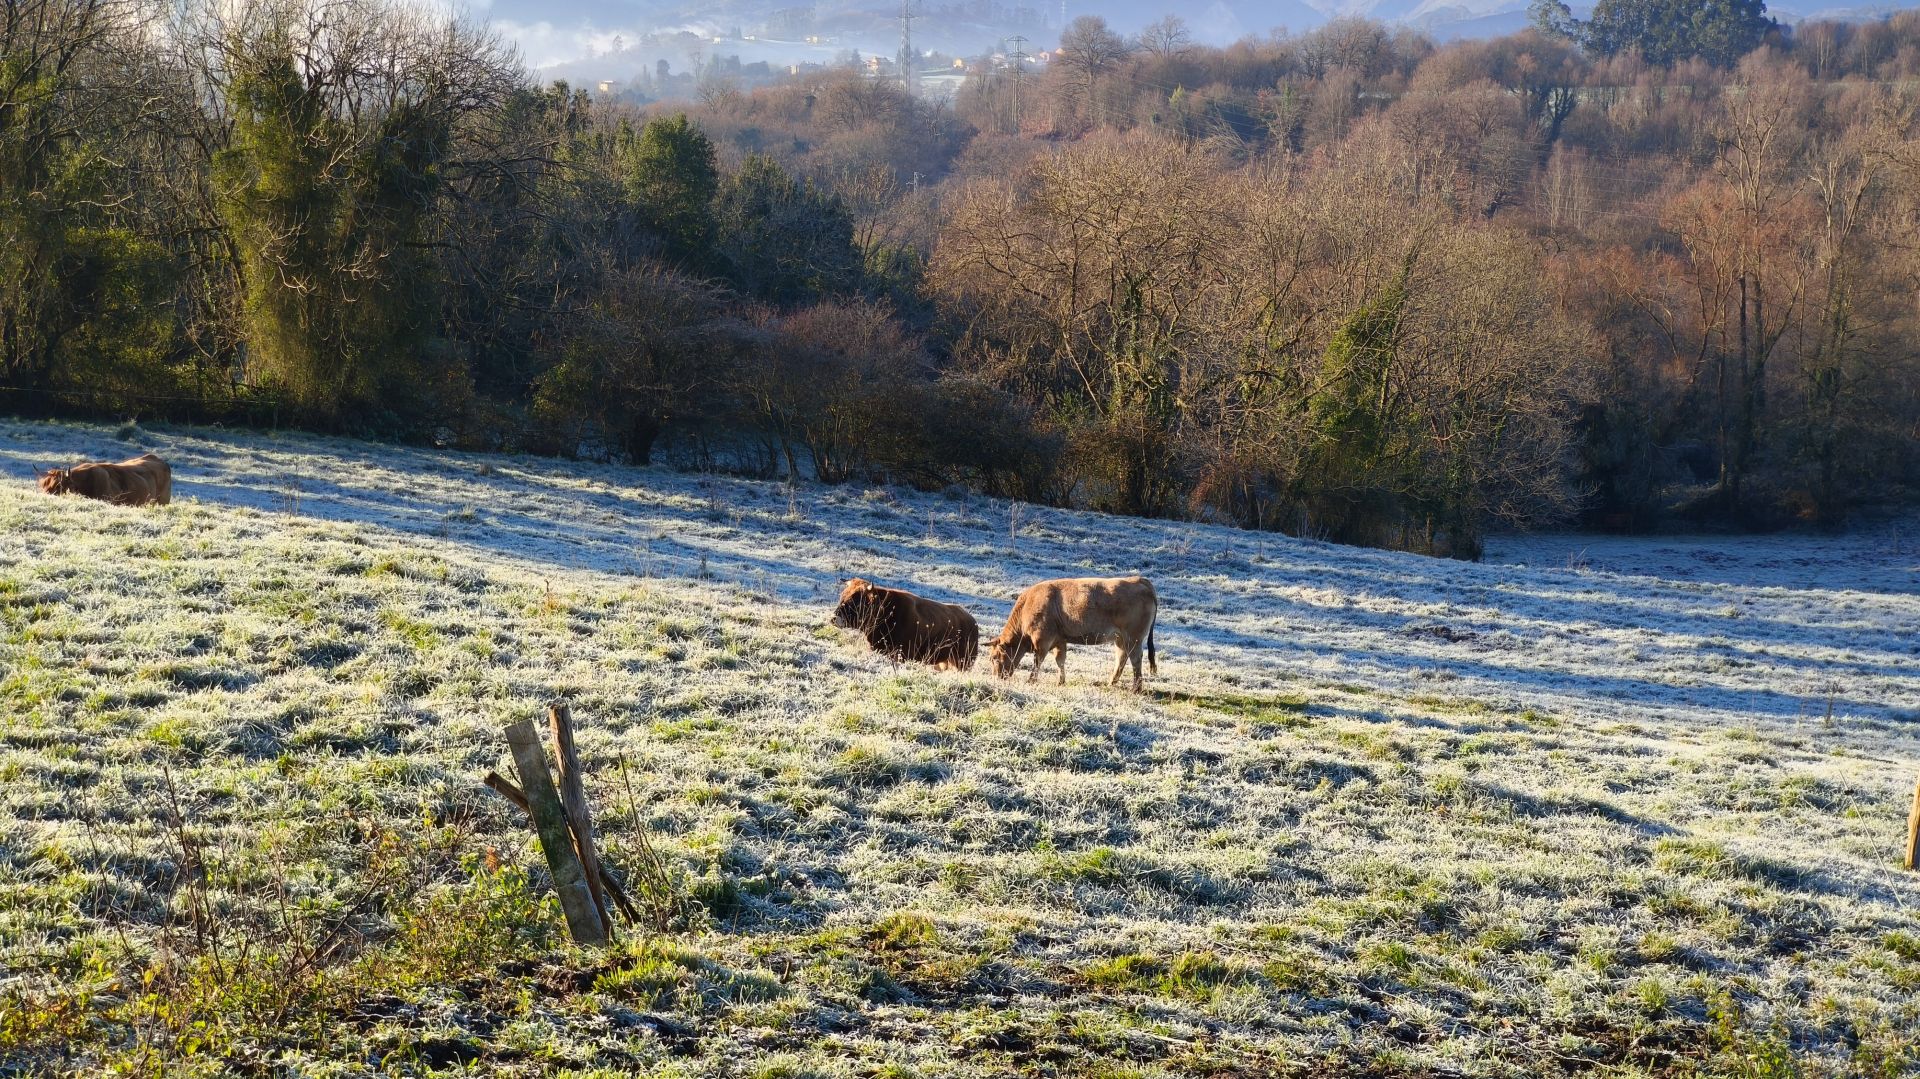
(551, 32)
(555, 31)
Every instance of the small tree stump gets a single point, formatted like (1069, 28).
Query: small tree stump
(584, 919)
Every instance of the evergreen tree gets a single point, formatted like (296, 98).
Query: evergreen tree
(782, 240)
(1356, 459)
(281, 201)
(670, 178)
(332, 187)
(1663, 31)
(82, 296)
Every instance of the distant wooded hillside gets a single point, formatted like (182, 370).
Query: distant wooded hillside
(1348, 283)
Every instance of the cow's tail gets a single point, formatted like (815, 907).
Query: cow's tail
(1153, 662)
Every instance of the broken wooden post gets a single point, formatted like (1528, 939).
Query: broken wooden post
(556, 839)
(505, 788)
(573, 797)
(1913, 830)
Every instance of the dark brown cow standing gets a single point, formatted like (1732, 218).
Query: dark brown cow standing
(1079, 610)
(902, 625)
(142, 481)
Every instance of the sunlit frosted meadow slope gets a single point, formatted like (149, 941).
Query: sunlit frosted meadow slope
(1593, 801)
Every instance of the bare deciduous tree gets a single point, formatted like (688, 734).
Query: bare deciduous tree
(1088, 50)
(1166, 38)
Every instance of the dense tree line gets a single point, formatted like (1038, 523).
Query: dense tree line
(1651, 266)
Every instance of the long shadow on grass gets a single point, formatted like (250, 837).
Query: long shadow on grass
(1535, 806)
(1479, 674)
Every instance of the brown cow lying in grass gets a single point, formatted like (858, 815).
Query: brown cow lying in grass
(145, 480)
(902, 625)
(1081, 610)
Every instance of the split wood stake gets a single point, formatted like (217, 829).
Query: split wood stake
(505, 788)
(1913, 830)
(556, 840)
(573, 796)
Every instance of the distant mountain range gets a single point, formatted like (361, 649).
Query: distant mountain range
(588, 40)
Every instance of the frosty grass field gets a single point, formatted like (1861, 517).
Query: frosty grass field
(1629, 804)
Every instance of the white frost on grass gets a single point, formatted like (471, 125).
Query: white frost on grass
(1769, 632)
(1430, 812)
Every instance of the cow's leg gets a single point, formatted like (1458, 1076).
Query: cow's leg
(1060, 659)
(1039, 657)
(1137, 646)
(1121, 664)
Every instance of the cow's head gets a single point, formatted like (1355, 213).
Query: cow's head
(856, 606)
(1004, 651)
(56, 481)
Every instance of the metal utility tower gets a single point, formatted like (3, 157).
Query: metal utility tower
(909, 65)
(1019, 57)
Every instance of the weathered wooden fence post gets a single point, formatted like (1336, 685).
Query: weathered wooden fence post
(573, 796)
(505, 788)
(584, 918)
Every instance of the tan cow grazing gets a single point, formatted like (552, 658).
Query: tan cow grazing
(901, 625)
(142, 481)
(1079, 610)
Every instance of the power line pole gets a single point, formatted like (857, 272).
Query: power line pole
(909, 68)
(1018, 55)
